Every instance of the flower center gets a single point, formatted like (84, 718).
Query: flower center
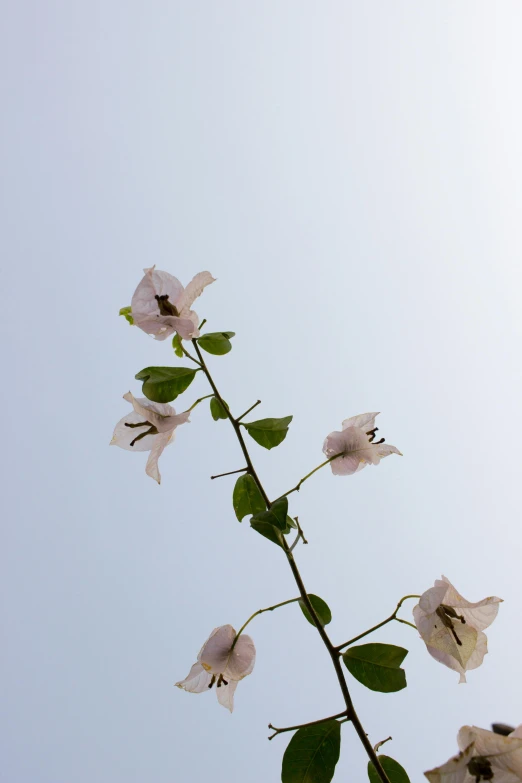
(151, 431)
(166, 307)
(480, 768)
(220, 681)
(447, 614)
(371, 437)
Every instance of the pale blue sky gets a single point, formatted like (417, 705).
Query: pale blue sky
(351, 173)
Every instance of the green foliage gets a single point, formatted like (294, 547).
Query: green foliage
(164, 384)
(267, 530)
(217, 343)
(247, 499)
(276, 515)
(377, 666)
(393, 769)
(268, 432)
(126, 312)
(321, 608)
(176, 344)
(312, 754)
(217, 410)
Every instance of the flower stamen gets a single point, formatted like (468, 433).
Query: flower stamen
(151, 431)
(212, 681)
(166, 307)
(446, 613)
(480, 768)
(372, 434)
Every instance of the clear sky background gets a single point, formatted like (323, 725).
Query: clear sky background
(351, 173)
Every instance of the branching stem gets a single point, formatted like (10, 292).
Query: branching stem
(303, 725)
(230, 472)
(380, 625)
(260, 611)
(334, 654)
(248, 411)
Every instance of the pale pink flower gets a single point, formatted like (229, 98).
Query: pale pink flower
(149, 428)
(357, 445)
(484, 756)
(221, 664)
(161, 306)
(452, 627)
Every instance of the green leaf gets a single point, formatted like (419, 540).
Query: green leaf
(377, 666)
(217, 343)
(247, 499)
(164, 384)
(268, 432)
(267, 530)
(126, 312)
(393, 769)
(290, 524)
(217, 410)
(312, 754)
(322, 610)
(276, 514)
(176, 344)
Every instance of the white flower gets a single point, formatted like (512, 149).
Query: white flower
(161, 306)
(357, 444)
(484, 756)
(149, 428)
(221, 665)
(452, 627)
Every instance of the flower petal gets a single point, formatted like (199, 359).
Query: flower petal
(241, 660)
(366, 421)
(504, 753)
(225, 694)
(161, 415)
(196, 681)
(480, 614)
(154, 283)
(433, 597)
(453, 771)
(214, 654)
(161, 443)
(194, 289)
(123, 435)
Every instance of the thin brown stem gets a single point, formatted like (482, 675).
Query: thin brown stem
(229, 473)
(380, 625)
(332, 651)
(248, 411)
(303, 725)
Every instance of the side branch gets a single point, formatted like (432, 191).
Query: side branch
(303, 725)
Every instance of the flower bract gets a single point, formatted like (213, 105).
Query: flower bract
(150, 427)
(452, 628)
(484, 756)
(355, 446)
(161, 305)
(221, 664)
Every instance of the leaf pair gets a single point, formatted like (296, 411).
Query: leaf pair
(314, 751)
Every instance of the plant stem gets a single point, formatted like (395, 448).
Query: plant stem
(260, 611)
(303, 725)
(332, 651)
(188, 354)
(298, 485)
(248, 411)
(230, 472)
(384, 622)
(200, 400)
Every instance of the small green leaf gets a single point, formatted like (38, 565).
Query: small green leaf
(268, 432)
(276, 514)
(217, 343)
(217, 410)
(322, 610)
(164, 384)
(377, 666)
(312, 754)
(393, 769)
(267, 530)
(247, 499)
(290, 524)
(176, 344)
(126, 312)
